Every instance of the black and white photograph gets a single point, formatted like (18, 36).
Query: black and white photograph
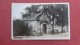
(40, 21)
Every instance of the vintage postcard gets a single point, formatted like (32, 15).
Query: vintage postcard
(40, 21)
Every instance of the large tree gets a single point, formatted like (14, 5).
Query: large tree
(58, 11)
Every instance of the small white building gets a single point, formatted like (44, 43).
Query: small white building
(40, 23)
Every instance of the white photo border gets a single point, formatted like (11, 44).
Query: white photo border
(12, 38)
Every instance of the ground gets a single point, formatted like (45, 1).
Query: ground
(61, 36)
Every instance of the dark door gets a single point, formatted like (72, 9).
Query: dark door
(44, 28)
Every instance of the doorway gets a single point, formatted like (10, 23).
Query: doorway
(44, 28)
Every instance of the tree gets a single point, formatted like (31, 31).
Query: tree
(58, 11)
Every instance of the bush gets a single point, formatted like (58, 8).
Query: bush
(20, 29)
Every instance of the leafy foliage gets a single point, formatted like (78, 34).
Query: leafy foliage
(58, 11)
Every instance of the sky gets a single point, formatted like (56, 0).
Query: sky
(17, 8)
